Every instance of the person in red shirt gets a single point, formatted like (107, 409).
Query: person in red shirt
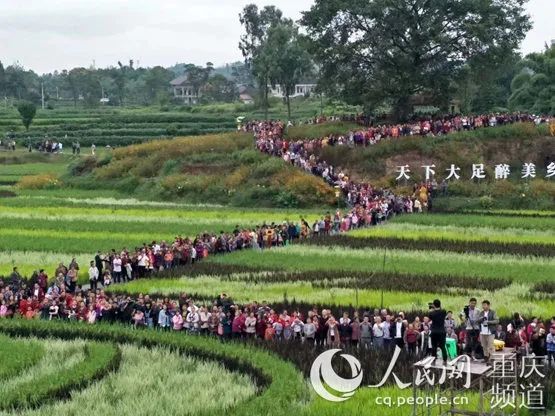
(269, 333)
(23, 305)
(238, 326)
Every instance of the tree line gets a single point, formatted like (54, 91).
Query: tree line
(381, 54)
(377, 54)
(121, 84)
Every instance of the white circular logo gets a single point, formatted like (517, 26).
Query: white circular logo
(322, 373)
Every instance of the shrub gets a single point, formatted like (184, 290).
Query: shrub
(286, 199)
(486, 202)
(269, 167)
(238, 177)
(114, 169)
(146, 168)
(42, 181)
(128, 184)
(169, 166)
(502, 188)
(542, 188)
(172, 129)
(247, 156)
(310, 189)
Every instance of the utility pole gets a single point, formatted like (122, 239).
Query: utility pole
(42, 93)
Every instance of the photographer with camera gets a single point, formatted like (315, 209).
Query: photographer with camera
(437, 317)
(471, 316)
(488, 323)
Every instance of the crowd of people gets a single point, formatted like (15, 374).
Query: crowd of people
(47, 146)
(120, 266)
(7, 143)
(473, 331)
(63, 298)
(365, 200)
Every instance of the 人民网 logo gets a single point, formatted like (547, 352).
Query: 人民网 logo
(322, 375)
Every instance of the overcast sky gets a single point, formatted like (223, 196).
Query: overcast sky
(57, 34)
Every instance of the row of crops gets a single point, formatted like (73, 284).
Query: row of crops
(57, 369)
(114, 129)
(504, 258)
(177, 373)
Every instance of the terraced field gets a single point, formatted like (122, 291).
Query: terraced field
(361, 270)
(507, 257)
(114, 127)
(122, 126)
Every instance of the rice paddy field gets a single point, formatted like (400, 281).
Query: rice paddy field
(115, 370)
(113, 378)
(504, 256)
(507, 257)
(402, 265)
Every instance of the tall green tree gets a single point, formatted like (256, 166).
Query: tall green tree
(71, 80)
(288, 58)
(376, 52)
(533, 88)
(219, 89)
(156, 82)
(27, 112)
(484, 84)
(120, 77)
(21, 83)
(242, 74)
(84, 83)
(256, 24)
(2, 81)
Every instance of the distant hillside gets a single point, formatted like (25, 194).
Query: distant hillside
(217, 169)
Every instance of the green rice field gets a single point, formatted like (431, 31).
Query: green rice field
(507, 257)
